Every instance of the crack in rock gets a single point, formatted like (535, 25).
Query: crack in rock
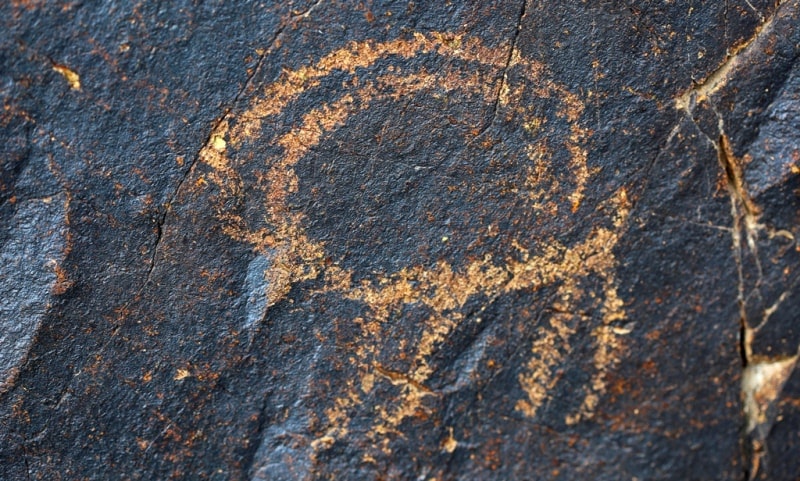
(762, 379)
(716, 79)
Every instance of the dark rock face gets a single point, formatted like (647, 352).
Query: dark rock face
(399, 240)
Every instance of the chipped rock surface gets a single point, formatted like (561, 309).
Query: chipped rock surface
(399, 240)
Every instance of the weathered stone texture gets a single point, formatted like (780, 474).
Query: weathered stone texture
(399, 240)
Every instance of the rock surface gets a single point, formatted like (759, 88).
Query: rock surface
(399, 240)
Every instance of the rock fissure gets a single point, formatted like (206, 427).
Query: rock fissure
(761, 382)
(717, 78)
(504, 77)
(210, 139)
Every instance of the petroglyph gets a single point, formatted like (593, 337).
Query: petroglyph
(445, 287)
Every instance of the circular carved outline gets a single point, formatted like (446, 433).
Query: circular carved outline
(442, 288)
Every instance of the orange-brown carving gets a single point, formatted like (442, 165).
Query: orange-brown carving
(443, 288)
